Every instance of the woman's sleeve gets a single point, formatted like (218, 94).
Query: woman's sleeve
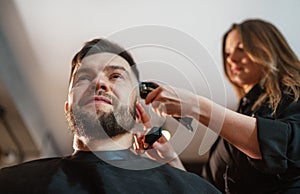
(279, 141)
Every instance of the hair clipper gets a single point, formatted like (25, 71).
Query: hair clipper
(152, 136)
(147, 87)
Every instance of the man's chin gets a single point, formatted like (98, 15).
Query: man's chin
(100, 122)
(100, 112)
(99, 109)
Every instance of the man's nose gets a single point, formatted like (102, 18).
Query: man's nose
(100, 85)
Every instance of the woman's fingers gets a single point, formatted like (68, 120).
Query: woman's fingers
(143, 116)
(162, 139)
(167, 108)
(153, 95)
(165, 101)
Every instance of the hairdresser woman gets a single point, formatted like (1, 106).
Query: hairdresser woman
(259, 146)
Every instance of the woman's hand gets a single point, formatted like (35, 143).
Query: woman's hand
(161, 150)
(138, 143)
(175, 102)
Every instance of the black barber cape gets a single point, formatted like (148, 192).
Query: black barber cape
(99, 172)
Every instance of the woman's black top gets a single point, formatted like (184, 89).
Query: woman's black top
(231, 171)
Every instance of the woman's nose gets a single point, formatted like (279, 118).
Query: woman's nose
(234, 57)
(231, 59)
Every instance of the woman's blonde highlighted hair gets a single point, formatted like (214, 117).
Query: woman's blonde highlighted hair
(265, 45)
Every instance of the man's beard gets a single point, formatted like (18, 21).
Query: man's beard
(100, 125)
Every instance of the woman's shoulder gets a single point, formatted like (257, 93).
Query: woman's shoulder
(289, 100)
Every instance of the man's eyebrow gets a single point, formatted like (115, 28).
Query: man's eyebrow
(83, 70)
(106, 68)
(115, 67)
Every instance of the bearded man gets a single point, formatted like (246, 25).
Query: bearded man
(101, 110)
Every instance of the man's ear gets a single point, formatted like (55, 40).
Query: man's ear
(66, 106)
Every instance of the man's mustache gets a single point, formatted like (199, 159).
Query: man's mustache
(87, 98)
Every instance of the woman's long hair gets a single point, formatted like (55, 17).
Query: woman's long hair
(266, 46)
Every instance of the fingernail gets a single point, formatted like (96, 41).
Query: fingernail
(145, 146)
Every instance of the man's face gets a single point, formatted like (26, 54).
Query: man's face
(102, 97)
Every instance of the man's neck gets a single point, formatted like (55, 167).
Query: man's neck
(119, 142)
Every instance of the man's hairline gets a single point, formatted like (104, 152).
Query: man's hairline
(78, 64)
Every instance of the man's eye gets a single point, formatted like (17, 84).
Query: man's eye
(84, 78)
(115, 76)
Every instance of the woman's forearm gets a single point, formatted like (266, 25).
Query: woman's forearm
(238, 129)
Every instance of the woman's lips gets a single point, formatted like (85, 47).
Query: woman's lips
(236, 70)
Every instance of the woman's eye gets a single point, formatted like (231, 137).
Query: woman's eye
(241, 47)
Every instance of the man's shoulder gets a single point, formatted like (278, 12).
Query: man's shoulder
(175, 172)
(24, 177)
(193, 182)
(162, 177)
(30, 166)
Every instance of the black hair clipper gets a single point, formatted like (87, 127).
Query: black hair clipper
(147, 87)
(152, 136)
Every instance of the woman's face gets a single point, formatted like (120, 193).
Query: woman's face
(241, 69)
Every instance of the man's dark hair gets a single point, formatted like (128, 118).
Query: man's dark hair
(100, 46)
